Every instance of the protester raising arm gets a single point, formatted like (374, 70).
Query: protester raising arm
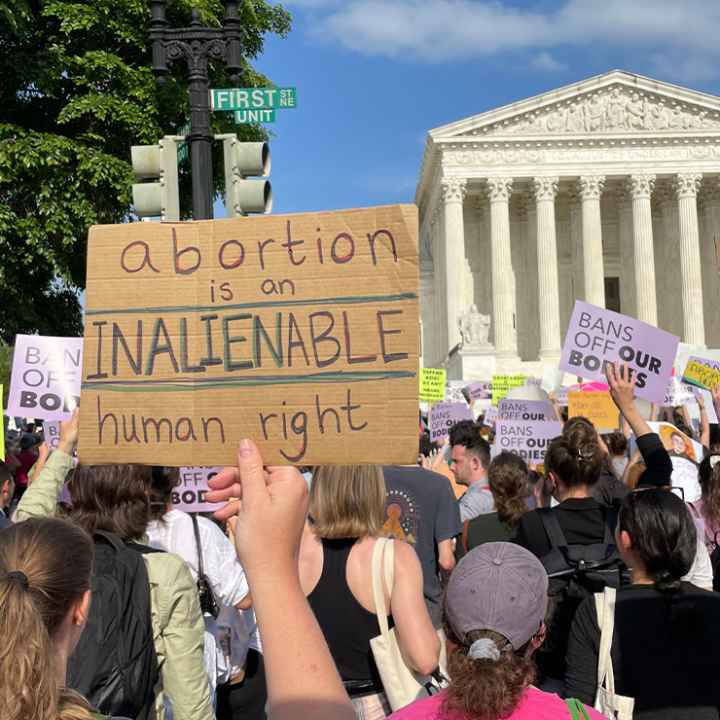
(657, 461)
(301, 675)
(704, 422)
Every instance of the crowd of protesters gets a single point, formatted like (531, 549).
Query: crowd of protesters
(580, 588)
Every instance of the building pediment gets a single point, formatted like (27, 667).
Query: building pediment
(612, 104)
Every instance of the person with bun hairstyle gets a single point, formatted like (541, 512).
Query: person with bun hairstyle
(45, 568)
(666, 642)
(494, 614)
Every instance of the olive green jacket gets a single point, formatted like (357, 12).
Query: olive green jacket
(177, 622)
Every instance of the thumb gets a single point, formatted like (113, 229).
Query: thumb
(250, 469)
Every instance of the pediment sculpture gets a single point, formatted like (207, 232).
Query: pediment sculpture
(614, 109)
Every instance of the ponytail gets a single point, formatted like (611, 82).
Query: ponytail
(663, 535)
(488, 677)
(45, 567)
(576, 460)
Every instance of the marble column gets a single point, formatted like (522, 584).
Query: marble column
(575, 229)
(686, 188)
(438, 339)
(590, 188)
(625, 241)
(641, 187)
(503, 300)
(453, 193)
(545, 190)
(709, 243)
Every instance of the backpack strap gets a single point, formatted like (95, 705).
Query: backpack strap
(552, 527)
(108, 538)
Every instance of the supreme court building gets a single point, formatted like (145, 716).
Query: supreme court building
(607, 190)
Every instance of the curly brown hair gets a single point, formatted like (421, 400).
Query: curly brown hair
(487, 689)
(508, 479)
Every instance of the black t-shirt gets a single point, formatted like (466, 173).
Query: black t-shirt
(665, 652)
(582, 521)
(482, 529)
(421, 509)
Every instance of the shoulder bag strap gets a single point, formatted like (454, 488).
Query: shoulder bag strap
(552, 527)
(605, 608)
(196, 530)
(378, 594)
(577, 709)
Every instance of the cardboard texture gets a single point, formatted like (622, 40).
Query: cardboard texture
(597, 407)
(432, 384)
(298, 331)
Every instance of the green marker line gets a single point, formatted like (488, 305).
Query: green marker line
(192, 384)
(352, 300)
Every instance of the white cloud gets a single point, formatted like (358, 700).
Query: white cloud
(679, 37)
(545, 62)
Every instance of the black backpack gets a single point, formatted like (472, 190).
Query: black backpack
(114, 665)
(575, 572)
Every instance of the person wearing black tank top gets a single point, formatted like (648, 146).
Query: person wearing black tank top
(346, 514)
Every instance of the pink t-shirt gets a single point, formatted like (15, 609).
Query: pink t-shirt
(535, 705)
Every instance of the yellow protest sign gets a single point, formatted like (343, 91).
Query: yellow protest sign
(598, 407)
(702, 373)
(298, 331)
(432, 384)
(502, 384)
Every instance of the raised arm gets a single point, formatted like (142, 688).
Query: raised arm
(704, 422)
(302, 679)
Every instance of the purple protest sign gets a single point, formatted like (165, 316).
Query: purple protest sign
(46, 376)
(596, 336)
(444, 415)
(525, 410)
(189, 496)
(529, 440)
(479, 390)
(51, 431)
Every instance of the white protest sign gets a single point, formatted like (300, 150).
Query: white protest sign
(527, 439)
(189, 496)
(46, 377)
(596, 336)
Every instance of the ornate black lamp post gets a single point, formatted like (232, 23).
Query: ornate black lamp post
(196, 45)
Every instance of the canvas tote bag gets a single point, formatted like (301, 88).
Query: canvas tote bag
(402, 685)
(617, 707)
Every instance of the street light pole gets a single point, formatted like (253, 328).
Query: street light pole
(196, 45)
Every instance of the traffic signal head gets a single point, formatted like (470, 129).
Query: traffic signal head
(160, 198)
(244, 160)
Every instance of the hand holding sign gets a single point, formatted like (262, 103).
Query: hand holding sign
(270, 517)
(622, 390)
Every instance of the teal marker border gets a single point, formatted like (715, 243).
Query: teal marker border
(185, 384)
(353, 300)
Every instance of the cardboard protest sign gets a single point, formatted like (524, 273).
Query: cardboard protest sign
(189, 495)
(479, 391)
(444, 415)
(596, 336)
(46, 376)
(432, 384)
(298, 331)
(685, 453)
(525, 410)
(702, 373)
(502, 384)
(597, 407)
(528, 439)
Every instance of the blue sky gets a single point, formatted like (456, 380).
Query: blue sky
(373, 76)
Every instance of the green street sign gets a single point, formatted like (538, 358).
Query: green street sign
(245, 117)
(268, 98)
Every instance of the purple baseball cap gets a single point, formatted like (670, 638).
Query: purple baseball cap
(501, 587)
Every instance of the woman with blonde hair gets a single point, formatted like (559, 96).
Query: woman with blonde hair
(347, 509)
(45, 568)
